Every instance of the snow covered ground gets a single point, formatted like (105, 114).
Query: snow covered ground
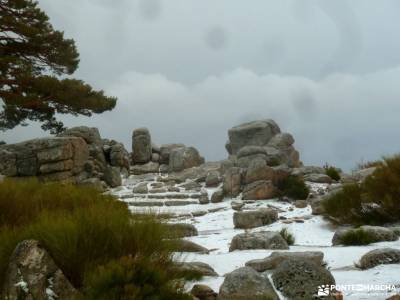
(216, 231)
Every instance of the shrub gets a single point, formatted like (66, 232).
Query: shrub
(332, 172)
(374, 201)
(368, 164)
(82, 230)
(345, 204)
(287, 236)
(134, 278)
(383, 187)
(357, 237)
(293, 187)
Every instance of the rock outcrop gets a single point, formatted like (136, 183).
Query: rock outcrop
(245, 283)
(141, 146)
(32, 274)
(50, 159)
(262, 139)
(260, 157)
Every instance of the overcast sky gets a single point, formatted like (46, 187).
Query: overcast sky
(327, 71)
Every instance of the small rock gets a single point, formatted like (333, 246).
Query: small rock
(217, 196)
(246, 284)
(379, 257)
(213, 179)
(180, 230)
(258, 240)
(300, 279)
(318, 178)
(276, 258)
(204, 198)
(257, 218)
(199, 213)
(188, 246)
(237, 205)
(150, 167)
(141, 188)
(198, 267)
(301, 203)
(203, 292)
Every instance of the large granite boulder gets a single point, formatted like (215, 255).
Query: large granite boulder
(377, 257)
(257, 218)
(258, 240)
(246, 284)
(116, 154)
(300, 279)
(141, 146)
(184, 158)
(259, 190)
(32, 274)
(258, 170)
(232, 182)
(276, 258)
(150, 167)
(256, 133)
(165, 151)
(52, 159)
(97, 165)
(262, 140)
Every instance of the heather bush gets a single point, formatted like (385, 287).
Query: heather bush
(293, 187)
(374, 201)
(84, 231)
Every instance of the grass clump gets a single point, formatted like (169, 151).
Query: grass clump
(357, 237)
(287, 236)
(374, 201)
(293, 187)
(83, 231)
(332, 172)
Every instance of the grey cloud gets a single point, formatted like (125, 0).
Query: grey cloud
(326, 71)
(150, 9)
(216, 38)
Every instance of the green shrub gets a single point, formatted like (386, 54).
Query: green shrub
(357, 237)
(344, 205)
(293, 187)
(134, 278)
(287, 236)
(374, 201)
(383, 187)
(332, 172)
(82, 230)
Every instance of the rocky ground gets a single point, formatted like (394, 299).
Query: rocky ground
(214, 223)
(223, 211)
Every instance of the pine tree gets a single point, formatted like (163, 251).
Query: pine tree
(35, 61)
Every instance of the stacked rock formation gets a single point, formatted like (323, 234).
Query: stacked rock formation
(78, 155)
(149, 158)
(259, 156)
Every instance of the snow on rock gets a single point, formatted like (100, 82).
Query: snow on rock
(312, 233)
